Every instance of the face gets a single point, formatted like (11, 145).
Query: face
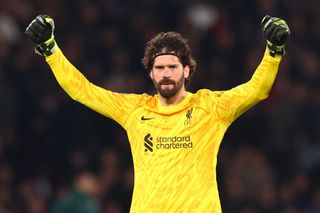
(168, 75)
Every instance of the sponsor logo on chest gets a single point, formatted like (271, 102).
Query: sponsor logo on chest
(165, 143)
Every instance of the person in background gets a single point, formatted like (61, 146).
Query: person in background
(83, 198)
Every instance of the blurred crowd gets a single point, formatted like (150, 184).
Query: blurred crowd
(58, 156)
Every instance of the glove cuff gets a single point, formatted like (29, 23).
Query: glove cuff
(46, 49)
(275, 49)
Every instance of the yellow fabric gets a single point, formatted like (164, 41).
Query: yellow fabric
(174, 148)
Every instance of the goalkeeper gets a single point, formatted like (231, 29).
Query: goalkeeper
(174, 135)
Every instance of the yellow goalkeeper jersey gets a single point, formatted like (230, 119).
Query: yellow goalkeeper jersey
(174, 148)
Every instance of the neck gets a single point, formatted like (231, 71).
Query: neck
(173, 100)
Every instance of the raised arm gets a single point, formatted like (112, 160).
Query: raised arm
(234, 102)
(113, 105)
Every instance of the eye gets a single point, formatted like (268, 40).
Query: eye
(158, 67)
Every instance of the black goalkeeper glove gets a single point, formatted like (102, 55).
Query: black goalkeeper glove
(40, 30)
(277, 33)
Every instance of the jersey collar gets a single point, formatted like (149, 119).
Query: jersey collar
(167, 110)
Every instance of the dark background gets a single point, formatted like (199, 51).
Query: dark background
(269, 160)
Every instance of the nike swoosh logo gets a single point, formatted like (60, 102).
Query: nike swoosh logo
(145, 118)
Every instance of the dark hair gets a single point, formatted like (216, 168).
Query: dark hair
(169, 42)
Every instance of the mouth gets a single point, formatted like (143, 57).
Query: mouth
(169, 83)
(166, 82)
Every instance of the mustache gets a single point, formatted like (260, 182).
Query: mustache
(166, 81)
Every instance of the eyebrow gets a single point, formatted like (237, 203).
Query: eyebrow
(166, 65)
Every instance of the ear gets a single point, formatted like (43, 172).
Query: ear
(186, 71)
(151, 74)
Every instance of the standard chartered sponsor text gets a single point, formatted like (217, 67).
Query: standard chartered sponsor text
(175, 142)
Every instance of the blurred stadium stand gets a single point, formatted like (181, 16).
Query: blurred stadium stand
(269, 160)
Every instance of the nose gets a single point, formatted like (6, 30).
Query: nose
(166, 73)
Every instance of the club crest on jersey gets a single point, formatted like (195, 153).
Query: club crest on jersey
(188, 120)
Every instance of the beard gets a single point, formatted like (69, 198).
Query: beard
(169, 92)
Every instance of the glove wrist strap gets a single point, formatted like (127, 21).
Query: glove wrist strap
(275, 49)
(46, 49)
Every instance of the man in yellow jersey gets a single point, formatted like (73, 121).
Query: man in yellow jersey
(174, 135)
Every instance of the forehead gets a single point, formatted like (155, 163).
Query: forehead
(166, 59)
